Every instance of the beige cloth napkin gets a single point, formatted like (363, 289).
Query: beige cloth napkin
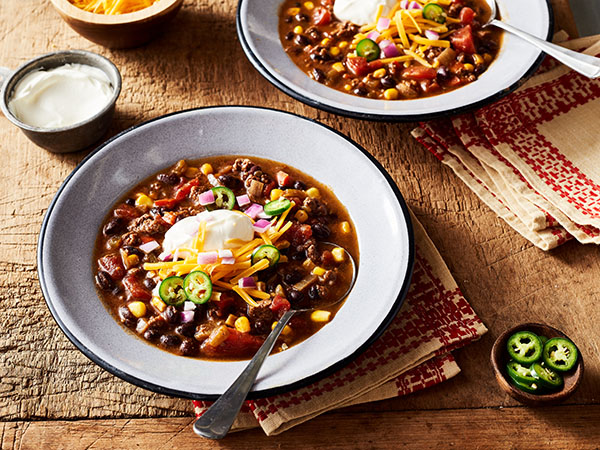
(534, 156)
(412, 354)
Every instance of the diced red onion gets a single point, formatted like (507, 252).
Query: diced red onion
(225, 253)
(261, 226)
(206, 198)
(247, 282)
(432, 35)
(383, 23)
(228, 261)
(243, 200)
(149, 246)
(263, 215)
(189, 306)
(207, 257)
(373, 35)
(414, 5)
(254, 210)
(187, 316)
(390, 50)
(165, 256)
(404, 4)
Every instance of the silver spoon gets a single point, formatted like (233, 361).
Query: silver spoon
(584, 64)
(217, 420)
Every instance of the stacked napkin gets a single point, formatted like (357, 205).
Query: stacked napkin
(534, 156)
(412, 354)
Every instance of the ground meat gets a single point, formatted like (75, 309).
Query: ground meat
(261, 316)
(149, 224)
(345, 30)
(310, 248)
(315, 206)
(406, 90)
(329, 277)
(131, 239)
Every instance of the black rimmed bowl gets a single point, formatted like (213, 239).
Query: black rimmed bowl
(257, 26)
(73, 219)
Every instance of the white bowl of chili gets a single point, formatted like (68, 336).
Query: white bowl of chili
(259, 34)
(65, 250)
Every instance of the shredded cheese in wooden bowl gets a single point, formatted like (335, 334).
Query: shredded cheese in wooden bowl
(112, 7)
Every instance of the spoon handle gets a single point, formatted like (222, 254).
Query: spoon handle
(217, 420)
(584, 64)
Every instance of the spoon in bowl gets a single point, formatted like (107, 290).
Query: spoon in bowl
(584, 64)
(218, 419)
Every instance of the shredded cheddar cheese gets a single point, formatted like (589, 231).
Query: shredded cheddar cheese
(112, 7)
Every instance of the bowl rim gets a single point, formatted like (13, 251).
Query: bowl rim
(392, 313)
(68, 9)
(29, 65)
(522, 396)
(380, 117)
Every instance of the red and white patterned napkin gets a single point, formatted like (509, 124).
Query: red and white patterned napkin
(412, 354)
(534, 156)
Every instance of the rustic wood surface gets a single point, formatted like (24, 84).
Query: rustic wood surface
(46, 384)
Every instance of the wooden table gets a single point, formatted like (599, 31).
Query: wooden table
(51, 396)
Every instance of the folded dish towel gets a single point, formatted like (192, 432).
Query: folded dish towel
(534, 156)
(412, 354)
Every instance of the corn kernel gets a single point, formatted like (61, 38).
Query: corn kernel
(469, 67)
(313, 192)
(275, 194)
(307, 264)
(338, 254)
(301, 216)
(293, 11)
(320, 316)
(298, 29)
(143, 200)
(347, 87)
(283, 259)
(318, 271)
(132, 260)
(334, 51)
(343, 44)
(158, 304)
(487, 57)
(380, 73)
(477, 59)
(206, 169)
(406, 63)
(242, 324)
(435, 64)
(325, 41)
(231, 320)
(338, 66)
(261, 285)
(309, 5)
(282, 244)
(138, 309)
(345, 226)
(286, 330)
(391, 94)
(191, 172)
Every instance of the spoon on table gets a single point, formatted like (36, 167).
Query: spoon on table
(584, 64)
(217, 420)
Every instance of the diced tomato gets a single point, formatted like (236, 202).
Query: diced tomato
(268, 188)
(454, 82)
(466, 15)
(168, 203)
(112, 265)
(280, 305)
(429, 87)
(298, 234)
(184, 189)
(321, 16)
(135, 289)
(327, 2)
(419, 73)
(126, 212)
(224, 305)
(237, 344)
(283, 179)
(169, 218)
(374, 65)
(357, 65)
(145, 238)
(462, 40)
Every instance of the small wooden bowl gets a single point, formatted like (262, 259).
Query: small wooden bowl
(499, 358)
(119, 31)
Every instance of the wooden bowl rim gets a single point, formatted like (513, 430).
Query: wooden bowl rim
(68, 9)
(526, 397)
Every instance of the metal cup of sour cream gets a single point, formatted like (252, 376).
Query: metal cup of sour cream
(62, 101)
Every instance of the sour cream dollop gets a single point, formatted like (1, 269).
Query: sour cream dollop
(360, 12)
(221, 226)
(60, 97)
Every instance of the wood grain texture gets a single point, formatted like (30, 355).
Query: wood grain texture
(198, 62)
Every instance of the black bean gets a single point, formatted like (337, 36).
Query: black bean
(105, 281)
(149, 283)
(299, 185)
(229, 180)
(388, 82)
(293, 277)
(113, 226)
(170, 340)
(313, 292)
(170, 314)
(127, 317)
(151, 333)
(130, 202)
(360, 90)
(289, 36)
(261, 326)
(298, 256)
(189, 347)
(295, 295)
(320, 231)
(133, 251)
(319, 75)
(186, 329)
(301, 17)
(301, 40)
(171, 178)
(442, 73)
(254, 169)
(288, 19)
